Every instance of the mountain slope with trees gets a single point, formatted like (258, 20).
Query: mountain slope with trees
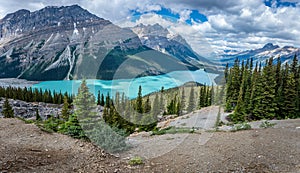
(269, 92)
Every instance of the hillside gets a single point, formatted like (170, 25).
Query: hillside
(25, 148)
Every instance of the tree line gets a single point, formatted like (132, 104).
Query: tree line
(34, 95)
(143, 112)
(271, 91)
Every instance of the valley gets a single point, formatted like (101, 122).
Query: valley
(150, 86)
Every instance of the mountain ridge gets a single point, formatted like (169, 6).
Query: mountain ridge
(286, 53)
(68, 42)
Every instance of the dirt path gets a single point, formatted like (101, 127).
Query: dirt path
(200, 119)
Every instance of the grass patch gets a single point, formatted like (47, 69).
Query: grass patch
(266, 124)
(173, 130)
(136, 161)
(26, 121)
(242, 126)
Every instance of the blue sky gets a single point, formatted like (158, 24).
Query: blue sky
(208, 25)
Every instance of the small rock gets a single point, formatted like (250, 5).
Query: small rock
(117, 170)
(48, 156)
(81, 145)
(298, 127)
(46, 150)
(31, 135)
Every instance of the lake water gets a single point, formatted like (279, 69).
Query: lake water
(130, 86)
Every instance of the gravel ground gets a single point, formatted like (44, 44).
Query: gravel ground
(25, 148)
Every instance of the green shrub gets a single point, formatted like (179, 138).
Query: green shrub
(243, 126)
(52, 124)
(26, 121)
(172, 130)
(136, 161)
(266, 124)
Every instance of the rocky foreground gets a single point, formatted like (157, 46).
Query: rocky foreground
(28, 110)
(25, 148)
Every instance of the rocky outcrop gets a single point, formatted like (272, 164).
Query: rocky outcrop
(28, 110)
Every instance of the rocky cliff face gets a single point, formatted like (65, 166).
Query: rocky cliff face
(57, 43)
(160, 39)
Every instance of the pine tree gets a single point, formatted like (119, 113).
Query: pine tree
(155, 107)
(266, 106)
(239, 114)
(98, 98)
(191, 104)
(147, 105)
(232, 86)
(139, 101)
(161, 102)
(85, 107)
(65, 109)
(182, 101)
(289, 109)
(73, 128)
(7, 110)
(226, 73)
(102, 103)
(37, 115)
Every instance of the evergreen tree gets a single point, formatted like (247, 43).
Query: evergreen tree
(98, 98)
(290, 109)
(65, 109)
(156, 107)
(7, 110)
(202, 97)
(181, 103)
(226, 73)
(73, 128)
(37, 115)
(239, 114)
(233, 87)
(191, 104)
(102, 103)
(147, 105)
(85, 107)
(139, 101)
(161, 102)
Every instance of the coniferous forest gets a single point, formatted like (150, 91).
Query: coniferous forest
(269, 91)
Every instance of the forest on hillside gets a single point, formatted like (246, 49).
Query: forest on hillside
(271, 91)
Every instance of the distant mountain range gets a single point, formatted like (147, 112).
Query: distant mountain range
(68, 42)
(286, 54)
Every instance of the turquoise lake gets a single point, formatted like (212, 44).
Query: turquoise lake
(130, 86)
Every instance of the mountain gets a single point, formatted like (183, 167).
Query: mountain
(160, 39)
(69, 42)
(286, 54)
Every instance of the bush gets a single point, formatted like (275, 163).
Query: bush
(72, 128)
(266, 124)
(52, 124)
(136, 161)
(243, 126)
(110, 139)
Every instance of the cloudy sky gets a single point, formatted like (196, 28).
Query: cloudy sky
(208, 25)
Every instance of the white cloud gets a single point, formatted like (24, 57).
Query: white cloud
(231, 24)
